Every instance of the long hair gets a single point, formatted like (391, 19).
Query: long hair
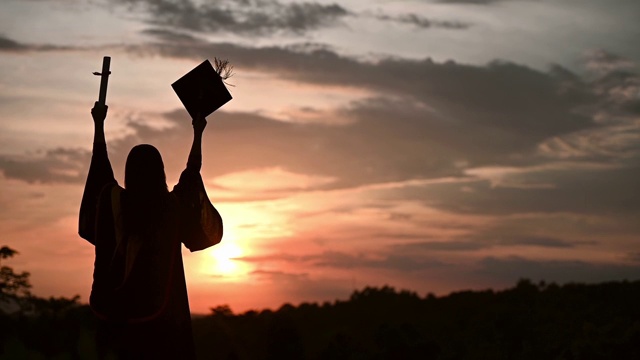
(146, 193)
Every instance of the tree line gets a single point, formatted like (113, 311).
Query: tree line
(528, 321)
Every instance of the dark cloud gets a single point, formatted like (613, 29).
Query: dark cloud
(387, 141)
(474, 2)
(422, 22)
(596, 191)
(427, 115)
(265, 17)
(542, 241)
(341, 260)
(7, 44)
(502, 98)
(392, 261)
(10, 45)
(423, 246)
(493, 270)
(618, 88)
(241, 17)
(536, 231)
(480, 241)
(602, 61)
(56, 165)
(171, 36)
(279, 276)
(510, 269)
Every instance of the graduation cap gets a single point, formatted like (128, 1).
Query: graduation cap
(202, 90)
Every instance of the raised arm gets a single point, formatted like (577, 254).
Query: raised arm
(203, 223)
(195, 155)
(99, 115)
(100, 174)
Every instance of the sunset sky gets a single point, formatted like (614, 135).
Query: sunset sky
(431, 145)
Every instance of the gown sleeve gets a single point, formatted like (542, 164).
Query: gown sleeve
(100, 175)
(202, 222)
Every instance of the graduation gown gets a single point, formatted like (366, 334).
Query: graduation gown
(139, 292)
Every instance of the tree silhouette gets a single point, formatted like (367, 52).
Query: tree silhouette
(32, 327)
(14, 287)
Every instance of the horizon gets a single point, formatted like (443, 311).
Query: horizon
(434, 145)
(424, 296)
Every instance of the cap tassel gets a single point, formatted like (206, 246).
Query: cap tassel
(224, 69)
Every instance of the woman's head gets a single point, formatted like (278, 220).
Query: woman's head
(144, 171)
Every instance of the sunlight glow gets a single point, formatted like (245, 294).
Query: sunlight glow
(223, 255)
(220, 260)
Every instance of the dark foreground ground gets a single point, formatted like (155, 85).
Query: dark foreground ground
(528, 321)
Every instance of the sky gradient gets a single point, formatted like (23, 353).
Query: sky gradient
(428, 145)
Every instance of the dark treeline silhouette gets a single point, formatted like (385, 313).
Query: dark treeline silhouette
(528, 321)
(32, 327)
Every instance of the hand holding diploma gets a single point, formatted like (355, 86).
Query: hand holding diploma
(99, 112)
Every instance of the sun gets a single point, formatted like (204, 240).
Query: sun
(223, 256)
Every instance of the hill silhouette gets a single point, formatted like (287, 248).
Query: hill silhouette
(528, 321)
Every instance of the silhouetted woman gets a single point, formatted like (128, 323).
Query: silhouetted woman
(139, 292)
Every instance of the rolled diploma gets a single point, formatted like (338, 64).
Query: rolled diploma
(104, 79)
